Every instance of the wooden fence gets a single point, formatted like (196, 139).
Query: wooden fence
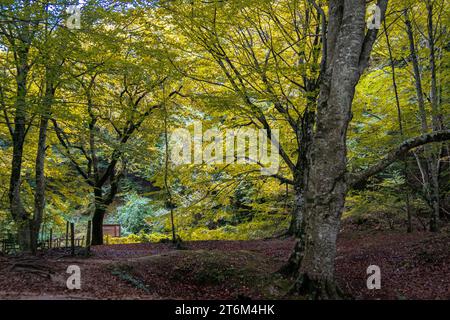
(9, 244)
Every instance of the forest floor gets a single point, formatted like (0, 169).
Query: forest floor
(413, 266)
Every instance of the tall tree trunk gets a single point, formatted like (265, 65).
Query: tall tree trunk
(169, 200)
(326, 189)
(102, 201)
(98, 216)
(298, 230)
(97, 225)
(400, 127)
(300, 186)
(299, 200)
(301, 167)
(430, 175)
(39, 194)
(435, 112)
(18, 211)
(436, 124)
(348, 51)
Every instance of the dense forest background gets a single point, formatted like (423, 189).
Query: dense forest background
(90, 95)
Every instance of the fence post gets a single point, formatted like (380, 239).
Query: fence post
(72, 238)
(43, 236)
(88, 238)
(67, 234)
(50, 245)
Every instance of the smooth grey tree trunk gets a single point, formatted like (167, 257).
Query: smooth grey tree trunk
(347, 53)
(347, 56)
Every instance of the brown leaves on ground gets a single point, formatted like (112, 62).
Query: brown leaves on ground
(412, 266)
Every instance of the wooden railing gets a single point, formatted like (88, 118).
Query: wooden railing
(9, 244)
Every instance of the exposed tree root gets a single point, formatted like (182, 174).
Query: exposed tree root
(31, 264)
(317, 289)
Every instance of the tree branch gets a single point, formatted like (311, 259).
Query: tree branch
(283, 179)
(393, 155)
(60, 134)
(370, 38)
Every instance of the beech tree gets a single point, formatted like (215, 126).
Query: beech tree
(232, 37)
(118, 96)
(253, 52)
(348, 49)
(29, 32)
(87, 104)
(428, 162)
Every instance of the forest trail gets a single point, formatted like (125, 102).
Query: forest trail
(236, 270)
